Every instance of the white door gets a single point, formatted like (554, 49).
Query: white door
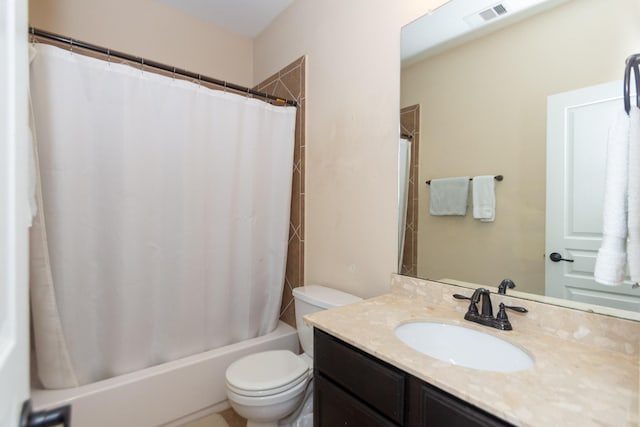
(577, 129)
(14, 212)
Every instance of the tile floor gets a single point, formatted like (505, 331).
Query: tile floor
(226, 418)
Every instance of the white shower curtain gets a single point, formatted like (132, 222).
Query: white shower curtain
(166, 207)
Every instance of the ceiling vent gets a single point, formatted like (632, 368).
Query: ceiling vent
(500, 9)
(485, 15)
(493, 12)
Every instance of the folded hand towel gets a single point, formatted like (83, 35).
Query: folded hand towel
(633, 200)
(484, 198)
(610, 265)
(448, 196)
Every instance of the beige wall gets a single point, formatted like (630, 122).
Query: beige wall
(353, 75)
(483, 108)
(151, 30)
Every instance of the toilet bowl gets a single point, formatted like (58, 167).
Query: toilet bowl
(268, 386)
(265, 387)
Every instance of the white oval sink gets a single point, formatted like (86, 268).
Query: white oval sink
(463, 346)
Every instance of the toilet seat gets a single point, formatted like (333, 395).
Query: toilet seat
(290, 395)
(266, 373)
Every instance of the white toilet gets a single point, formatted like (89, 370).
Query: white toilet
(268, 386)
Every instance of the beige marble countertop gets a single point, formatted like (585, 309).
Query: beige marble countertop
(574, 382)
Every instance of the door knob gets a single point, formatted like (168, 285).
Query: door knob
(556, 257)
(51, 417)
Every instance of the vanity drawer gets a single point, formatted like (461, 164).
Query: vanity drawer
(430, 406)
(335, 407)
(380, 385)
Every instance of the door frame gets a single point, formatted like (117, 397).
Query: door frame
(15, 211)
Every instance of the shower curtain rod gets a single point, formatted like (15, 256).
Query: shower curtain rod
(153, 64)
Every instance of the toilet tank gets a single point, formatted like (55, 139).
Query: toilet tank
(312, 298)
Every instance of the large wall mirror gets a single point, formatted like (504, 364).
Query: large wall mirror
(482, 108)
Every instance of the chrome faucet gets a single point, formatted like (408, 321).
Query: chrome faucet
(485, 316)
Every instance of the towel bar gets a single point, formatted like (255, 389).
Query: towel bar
(497, 178)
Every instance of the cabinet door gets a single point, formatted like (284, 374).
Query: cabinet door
(334, 407)
(430, 406)
(378, 384)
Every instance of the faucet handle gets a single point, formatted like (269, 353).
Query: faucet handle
(514, 308)
(502, 320)
(502, 317)
(473, 308)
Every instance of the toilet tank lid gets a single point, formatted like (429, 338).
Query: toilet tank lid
(324, 297)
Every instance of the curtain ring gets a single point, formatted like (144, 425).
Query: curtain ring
(142, 65)
(199, 80)
(109, 57)
(225, 87)
(174, 73)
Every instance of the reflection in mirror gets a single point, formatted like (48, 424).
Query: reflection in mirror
(404, 163)
(410, 124)
(482, 110)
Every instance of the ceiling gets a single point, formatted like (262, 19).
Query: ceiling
(245, 17)
(456, 22)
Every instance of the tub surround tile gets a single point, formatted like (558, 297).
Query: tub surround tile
(410, 124)
(290, 83)
(586, 369)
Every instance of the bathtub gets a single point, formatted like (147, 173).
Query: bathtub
(169, 394)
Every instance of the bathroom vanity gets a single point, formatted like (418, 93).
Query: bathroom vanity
(355, 389)
(586, 369)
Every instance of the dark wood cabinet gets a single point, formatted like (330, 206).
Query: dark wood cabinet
(353, 388)
(333, 406)
(430, 406)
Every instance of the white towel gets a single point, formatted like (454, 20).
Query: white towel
(448, 196)
(633, 188)
(611, 260)
(484, 198)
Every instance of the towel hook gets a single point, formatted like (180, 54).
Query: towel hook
(631, 62)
